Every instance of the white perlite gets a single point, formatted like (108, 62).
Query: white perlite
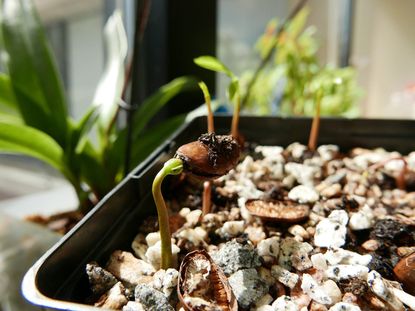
(343, 272)
(328, 152)
(284, 276)
(152, 238)
(269, 247)
(270, 151)
(231, 228)
(304, 174)
(342, 256)
(290, 247)
(165, 281)
(382, 290)
(315, 291)
(303, 194)
(192, 218)
(284, 303)
(197, 235)
(319, 262)
(331, 231)
(344, 306)
(363, 219)
(153, 254)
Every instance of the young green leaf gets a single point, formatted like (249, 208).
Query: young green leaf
(212, 63)
(233, 88)
(36, 83)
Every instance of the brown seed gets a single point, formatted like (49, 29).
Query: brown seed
(210, 157)
(278, 211)
(201, 279)
(405, 272)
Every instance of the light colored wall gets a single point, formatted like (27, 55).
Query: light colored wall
(384, 54)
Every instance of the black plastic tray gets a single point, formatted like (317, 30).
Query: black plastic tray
(57, 280)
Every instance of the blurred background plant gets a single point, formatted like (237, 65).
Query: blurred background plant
(34, 119)
(284, 85)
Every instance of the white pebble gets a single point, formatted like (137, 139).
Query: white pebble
(342, 256)
(298, 230)
(284, 303)
(192, 218)
(165, 281)
(343, 272)
(184, 211)
(319, 262)
(290, 247)
(304, 174)
(344, 306)
(232, 228)
(332, 290)
(328, 152)
(331, 231)
(303, 194)
(284, 276)
(382, 290)
(152, 238)
(269, 247)
(315, 291)
(363, 219)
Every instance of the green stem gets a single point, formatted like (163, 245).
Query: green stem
(171, 167)
(235, 117)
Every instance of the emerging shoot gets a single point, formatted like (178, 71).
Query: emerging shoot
(171, 167)
(207, 185)
(204, 88)
(315, 126)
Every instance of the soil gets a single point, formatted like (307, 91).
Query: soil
(289, 229)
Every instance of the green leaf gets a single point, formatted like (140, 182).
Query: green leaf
(8, 103)
(36, 83)
(92, 171)
(21, 139)
(233, 88)
(212, 63)
(156, 101)
(108, 92)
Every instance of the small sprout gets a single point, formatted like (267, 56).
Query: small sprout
(315, 126)
(210, 157)
(202, 285)
(278, 211)
(171, 167)
(207, 185)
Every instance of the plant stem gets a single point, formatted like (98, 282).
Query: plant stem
(271, 51)
(235, 117)
(206, 95)
(171, 167)
(207, 185)
(315, 126)
(207, 194)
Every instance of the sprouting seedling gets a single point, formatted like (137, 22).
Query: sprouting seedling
(207, 185)
(212, 63)
(320, 87)
(210, 157)
(315, 126)
(171, 167)
(205, 90)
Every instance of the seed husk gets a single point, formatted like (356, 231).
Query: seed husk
(200, 279)
(278, 211)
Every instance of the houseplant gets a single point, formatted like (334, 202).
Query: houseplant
(34, 120)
